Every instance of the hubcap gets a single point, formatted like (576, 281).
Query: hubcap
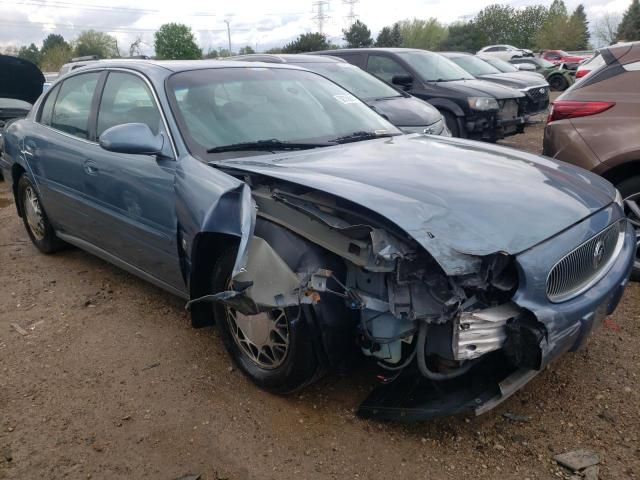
(33, 212)
(632, 209)
(264, 338)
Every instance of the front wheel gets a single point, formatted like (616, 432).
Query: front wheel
(558, 83)
(274, 349)
(35, 219)
(630, 191)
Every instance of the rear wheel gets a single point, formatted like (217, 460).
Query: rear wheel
(558, 83)
(275, 348)
(452, 123)
(35, 219)
(630, 191)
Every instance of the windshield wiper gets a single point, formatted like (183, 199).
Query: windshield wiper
(269, 145)
(359, 136)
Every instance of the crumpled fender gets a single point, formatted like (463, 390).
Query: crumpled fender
(210, 201)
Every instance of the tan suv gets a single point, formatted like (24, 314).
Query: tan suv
(595, 124)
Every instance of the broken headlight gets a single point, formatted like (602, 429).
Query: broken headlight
(483, 103)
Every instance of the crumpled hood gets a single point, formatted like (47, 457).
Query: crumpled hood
(20, 79)
(455, 197)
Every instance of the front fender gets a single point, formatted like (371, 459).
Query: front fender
(209, 201)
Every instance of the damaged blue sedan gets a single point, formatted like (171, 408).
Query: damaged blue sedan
(311, 231)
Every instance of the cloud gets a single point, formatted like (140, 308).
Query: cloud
(253, 22)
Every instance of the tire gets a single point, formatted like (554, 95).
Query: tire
(630, 191)
(558, 83)
(35, 218)
(452, 123)
(296, 369)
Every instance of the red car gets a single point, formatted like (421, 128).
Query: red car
(560, 56)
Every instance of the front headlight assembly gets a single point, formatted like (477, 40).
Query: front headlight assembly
(483, 103)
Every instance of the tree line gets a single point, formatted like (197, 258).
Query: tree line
(535, 27)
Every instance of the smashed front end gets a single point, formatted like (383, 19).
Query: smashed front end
(444, 343)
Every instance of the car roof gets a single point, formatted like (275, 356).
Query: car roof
(294, 58)
(374, 49)
(174, 65)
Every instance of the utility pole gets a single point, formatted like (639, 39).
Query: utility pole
(228, 35)
(352, 16)
(320, 8)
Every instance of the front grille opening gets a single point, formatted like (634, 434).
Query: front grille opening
(585, 265)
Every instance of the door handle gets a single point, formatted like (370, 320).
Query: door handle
(91, 167)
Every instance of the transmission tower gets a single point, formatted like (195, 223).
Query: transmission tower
(352, 16)
(320, 9)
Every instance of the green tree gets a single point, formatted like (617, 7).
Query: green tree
(54, 57)
(497, 23)
(246, 50)
(211, 53)
(426, 34)
(390, 36)
(464, 37)
(176, 41)
(357, 35)
(558, 31)
(275, 50)
(31, 53)
(629, 29)
(307, 42)
(579, 27)
(91, 42)
(53, 40)
(528, 22)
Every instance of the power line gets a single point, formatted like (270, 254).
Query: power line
(352, 16)
(39, 25)
(320, 8)
(77, 6)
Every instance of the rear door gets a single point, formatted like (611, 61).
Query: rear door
(132, 196)
(56, 150)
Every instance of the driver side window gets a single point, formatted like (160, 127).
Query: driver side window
(384, 67)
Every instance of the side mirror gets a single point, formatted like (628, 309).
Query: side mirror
(403, 80)
(132, 138)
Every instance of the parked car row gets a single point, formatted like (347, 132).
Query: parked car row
(284, 207)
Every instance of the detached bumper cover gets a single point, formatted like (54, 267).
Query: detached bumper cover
(413, 398)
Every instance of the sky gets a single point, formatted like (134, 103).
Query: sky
(257, 23)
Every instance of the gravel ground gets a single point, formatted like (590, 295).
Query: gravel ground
(108, 380)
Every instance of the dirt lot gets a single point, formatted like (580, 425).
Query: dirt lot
(111, 382)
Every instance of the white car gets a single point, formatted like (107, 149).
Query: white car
(505, 52)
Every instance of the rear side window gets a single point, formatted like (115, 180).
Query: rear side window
(127, 99)
(47, 107)
(384, 67)
(73, 106)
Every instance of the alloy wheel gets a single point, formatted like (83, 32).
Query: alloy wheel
(263, 338)
(33, 212)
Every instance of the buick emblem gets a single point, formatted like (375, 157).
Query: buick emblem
(598, 253)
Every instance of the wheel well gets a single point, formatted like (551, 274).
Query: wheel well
(16, 172)
(207, 249)
(621, 172)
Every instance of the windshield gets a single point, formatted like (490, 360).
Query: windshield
(474, 65)
(501, 65)
(433, 67)
(228, 106)
(361, 84)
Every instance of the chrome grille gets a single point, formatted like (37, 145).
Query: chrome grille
(585, 265)
(538, 93)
